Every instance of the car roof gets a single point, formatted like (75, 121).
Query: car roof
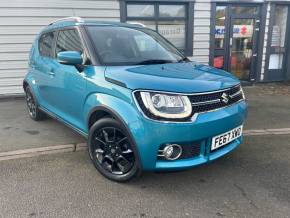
(76, 21)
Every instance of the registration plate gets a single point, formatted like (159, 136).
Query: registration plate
(225, 138)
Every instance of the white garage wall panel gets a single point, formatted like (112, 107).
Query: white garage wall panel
(265, 42)
(21, 20)
(201, 30)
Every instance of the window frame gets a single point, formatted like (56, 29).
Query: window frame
(188, 18)
(88, 51)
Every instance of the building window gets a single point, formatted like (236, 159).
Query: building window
(170, 20)
(245, 10)
(278, 37)
(134, 10)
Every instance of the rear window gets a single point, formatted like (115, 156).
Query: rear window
(46, 44)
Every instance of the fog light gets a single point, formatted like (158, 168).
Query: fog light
(171, 151)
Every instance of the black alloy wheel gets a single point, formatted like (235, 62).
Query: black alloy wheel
(111, 150)
(32, 106)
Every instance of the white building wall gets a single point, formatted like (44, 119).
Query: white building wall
(265, 43)
(201, 29)
(21, 20)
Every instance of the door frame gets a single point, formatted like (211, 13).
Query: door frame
(259, 20)
(285, 71)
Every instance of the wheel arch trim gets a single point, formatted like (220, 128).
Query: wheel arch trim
(116, 116)
(32, 89)
(30, 81)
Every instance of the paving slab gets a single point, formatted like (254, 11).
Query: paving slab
(18, 131)
(268, 108)
(252, 181)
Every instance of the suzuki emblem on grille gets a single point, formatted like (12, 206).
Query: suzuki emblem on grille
(225, 98)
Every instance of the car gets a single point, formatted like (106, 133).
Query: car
(141, 104)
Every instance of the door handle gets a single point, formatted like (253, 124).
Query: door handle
(51, 73)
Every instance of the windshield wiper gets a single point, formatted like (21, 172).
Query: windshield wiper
(154, 61)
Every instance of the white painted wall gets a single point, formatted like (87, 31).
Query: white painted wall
(21, 20)
(265, 42)
(201, 29)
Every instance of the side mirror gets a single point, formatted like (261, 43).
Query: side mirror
(70, 58)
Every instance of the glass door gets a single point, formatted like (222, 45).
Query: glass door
(241, 47)
(235, 36)
(220, 40)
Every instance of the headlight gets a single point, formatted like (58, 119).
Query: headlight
(169, 106)
(242, 91)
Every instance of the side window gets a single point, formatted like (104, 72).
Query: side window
(46, 44)
(68, 40)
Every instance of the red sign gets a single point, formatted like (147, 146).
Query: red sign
(243, 30)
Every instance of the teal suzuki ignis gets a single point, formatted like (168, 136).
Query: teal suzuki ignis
(141, 104)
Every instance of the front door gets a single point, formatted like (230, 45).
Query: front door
(242, 49)
(71, 84)
(235, 40)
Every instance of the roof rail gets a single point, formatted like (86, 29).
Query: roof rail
(77, 19)
(137, 23)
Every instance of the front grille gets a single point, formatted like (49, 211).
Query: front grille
(190, 151)
(211, 101)
(202, 102)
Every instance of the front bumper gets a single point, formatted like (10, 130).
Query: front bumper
(150, 135)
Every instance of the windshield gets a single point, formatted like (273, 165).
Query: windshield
(118, 46)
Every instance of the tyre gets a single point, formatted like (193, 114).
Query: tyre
(34, 112)
(112, 150)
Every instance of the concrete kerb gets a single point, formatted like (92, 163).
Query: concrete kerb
(8, 155)
(81, 146)
(32, 152)
(282, 131)
(11, 97)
